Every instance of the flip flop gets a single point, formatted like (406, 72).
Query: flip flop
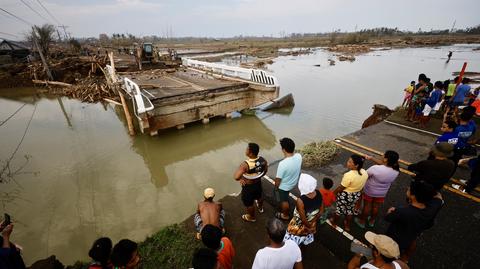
(278, 215)
(247, 218)
(368, 223)
(358, 223)
(260, 210)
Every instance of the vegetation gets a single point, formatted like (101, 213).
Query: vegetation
(171, 247)
(44, 36)
(318, 153)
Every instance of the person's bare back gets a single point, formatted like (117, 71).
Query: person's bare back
(210, 212)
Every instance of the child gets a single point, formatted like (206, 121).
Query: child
(434, 98)
(408, 94)
(449, 135)
(328, 199)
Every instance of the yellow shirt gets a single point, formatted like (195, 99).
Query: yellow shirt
(409, 89)
(353, 182)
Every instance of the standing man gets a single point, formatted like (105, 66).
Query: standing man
(250, 175)
(288, 173)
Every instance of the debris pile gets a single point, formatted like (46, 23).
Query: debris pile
(89, 90)
(318, 153)
(350, 49)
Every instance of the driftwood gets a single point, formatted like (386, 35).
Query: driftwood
(112, 102)
(56, 83)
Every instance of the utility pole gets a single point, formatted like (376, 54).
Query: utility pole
(453, 26)
(64, 27)
(44, 61)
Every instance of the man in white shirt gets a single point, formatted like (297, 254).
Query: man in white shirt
(278, 254)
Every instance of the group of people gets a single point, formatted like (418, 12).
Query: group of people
(423, 98)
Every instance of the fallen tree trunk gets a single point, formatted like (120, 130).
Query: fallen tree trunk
(56, 83)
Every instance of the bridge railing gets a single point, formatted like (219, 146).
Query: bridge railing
(254, 75)
(141, 102)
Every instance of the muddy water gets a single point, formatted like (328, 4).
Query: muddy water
(87, 178)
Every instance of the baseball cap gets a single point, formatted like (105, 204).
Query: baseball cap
(208, 193)
(384, 244)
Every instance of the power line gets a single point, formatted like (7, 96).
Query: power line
(9, 117)
(2, 33)
(15, 16)
(44, 8)
(31, 8)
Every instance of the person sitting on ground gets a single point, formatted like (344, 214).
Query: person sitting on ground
(328, 199)
(125, 255)
(473, 164)
(350, 190)
(408, 94)
(438, 169)
(205, 258)
(212, 238)
(209, 212)
(408, 222)
(279, 254)
(250, 175)
(9, 253)
(466, 129)
(309, 208)
(288, 172)
(100, 254)
(385, 254)
(448, 133)
(380, 178)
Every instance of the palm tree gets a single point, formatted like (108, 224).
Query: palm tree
(44, 36)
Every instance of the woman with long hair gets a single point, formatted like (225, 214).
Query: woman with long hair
(350, 190)
(380, 178)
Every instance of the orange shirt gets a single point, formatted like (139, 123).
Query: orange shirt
(226, 253)
(328, 197)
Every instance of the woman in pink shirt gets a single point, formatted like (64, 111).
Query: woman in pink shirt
(380, 177)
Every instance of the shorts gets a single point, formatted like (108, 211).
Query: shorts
(198, 222)
(282, 195)
(378, 200)
(426, 110)
(251, 192)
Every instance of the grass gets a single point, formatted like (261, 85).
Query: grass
(317, 154)
(171, 247)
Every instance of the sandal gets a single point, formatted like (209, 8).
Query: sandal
(248, 218)
(279, 215)
(260, 209)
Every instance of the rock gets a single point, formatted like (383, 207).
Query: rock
(48, 263)
(380, 113)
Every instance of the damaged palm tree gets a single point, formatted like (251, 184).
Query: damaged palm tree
(317, 154)
(44, 36)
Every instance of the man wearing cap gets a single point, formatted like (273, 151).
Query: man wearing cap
(385, 253)
(209, 212)
(438, 169)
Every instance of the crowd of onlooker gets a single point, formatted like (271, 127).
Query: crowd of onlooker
(358, 198)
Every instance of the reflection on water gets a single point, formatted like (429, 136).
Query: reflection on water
(159, 153)
(92, 179)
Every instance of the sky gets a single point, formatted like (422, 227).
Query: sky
(227, 18)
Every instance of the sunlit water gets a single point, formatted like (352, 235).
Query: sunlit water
(87, 178)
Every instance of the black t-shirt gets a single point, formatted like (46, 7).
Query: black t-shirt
(435, 172)
(311, 204)
(408, 222)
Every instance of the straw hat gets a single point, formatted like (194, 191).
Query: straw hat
(384, 244)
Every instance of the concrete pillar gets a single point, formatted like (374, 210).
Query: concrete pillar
(205, 120)
(228, 115)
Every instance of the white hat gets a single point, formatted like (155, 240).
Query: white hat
(306, 184)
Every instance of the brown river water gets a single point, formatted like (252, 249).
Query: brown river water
(86, 177)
